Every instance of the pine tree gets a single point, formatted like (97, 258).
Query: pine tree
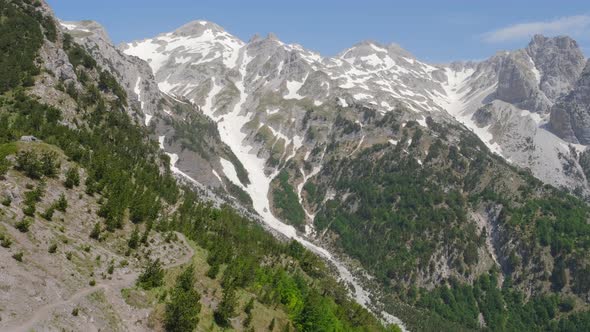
(226, 307)
(152, 275)
(134, 239)
(181, 313)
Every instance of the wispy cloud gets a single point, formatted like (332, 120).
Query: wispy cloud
(570, 25)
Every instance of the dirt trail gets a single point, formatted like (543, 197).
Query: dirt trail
(111, 286)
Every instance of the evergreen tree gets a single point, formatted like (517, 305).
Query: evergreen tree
(226, 308)
(152, 275)
(72, 178)
(134, 239)
(181, 313)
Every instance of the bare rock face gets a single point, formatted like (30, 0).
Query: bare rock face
(570, 117)
(518, 83)
(134, 74)
(534, 77)
(560, 62)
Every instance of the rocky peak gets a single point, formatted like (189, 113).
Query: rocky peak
(369, 47)
(197, 28)
(86, 28)
(560, 62)
(533, 78)
(540, 42)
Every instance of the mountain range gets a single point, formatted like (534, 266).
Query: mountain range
(443, 196)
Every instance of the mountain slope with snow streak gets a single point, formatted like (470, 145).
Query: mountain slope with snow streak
(263, 93)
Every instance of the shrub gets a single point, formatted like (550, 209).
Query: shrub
(72, 178)
(95, 234)
(29, 210)
(48, 214)
(6, 242)
(18, 256)
(34, 166)
(52, 248)
(62, 203)
(23, 225)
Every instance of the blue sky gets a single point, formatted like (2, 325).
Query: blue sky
(434, 31)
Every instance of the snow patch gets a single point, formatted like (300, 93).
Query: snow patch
(293, 88)
(422, 122)
(230, 171)
(342, 102)
(273, 111)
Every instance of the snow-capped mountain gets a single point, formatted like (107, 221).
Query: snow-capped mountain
(268, 84)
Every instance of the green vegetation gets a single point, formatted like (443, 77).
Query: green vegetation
(5, 150)
(18, 256)
(62, 203)
(134, 238)
(286, 202)
(183, 309)
(48, 214)
(35, 166)
(72, 178)
(226, 308)
(503, 309)
(7, 201)
(152, 275)
(23, 225)
(32, 197)
(411, 212)
(5, 241)
(21, 39)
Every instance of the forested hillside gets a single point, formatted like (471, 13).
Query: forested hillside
(454, 229)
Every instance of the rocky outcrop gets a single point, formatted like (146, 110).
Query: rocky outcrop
(560, 62)
(134, 74)
(570, 117)
(533, 78)
(518, 83)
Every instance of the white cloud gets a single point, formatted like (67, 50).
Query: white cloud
(570, 25)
